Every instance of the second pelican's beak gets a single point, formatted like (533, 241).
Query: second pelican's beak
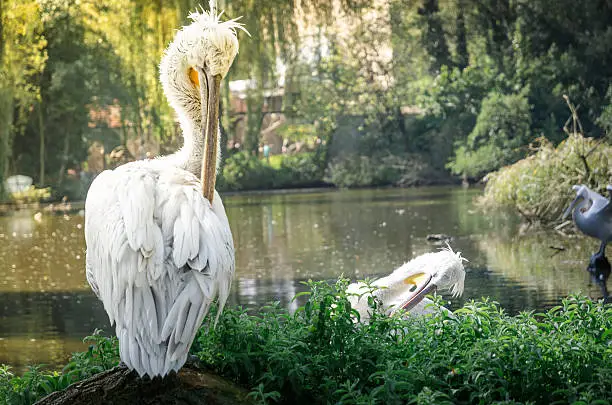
(209, 95)
(571, 207)
(420, 285)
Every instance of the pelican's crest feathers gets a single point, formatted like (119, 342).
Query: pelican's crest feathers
(210, 19)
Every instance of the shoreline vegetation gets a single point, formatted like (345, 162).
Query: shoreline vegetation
(321, 354)
(539, 187)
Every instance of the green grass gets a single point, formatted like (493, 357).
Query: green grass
(321, 355)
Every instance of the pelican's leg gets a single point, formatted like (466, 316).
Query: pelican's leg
(600, 270)
(602, 249)
(606, 295)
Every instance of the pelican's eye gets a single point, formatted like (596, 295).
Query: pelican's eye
(193, 76)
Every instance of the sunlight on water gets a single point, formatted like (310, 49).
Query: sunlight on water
(281, 240)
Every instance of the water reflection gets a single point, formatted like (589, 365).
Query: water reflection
(46, 306)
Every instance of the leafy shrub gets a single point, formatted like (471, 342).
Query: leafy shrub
(360, 171)
(479, 355)
(246, 172)
(364, 171)
(304, 169)
(605, 119)
(322, 354)
(539, 187)
(103, 354)
(499, 137)
(243, 171)
(297, 132)
(30, 195)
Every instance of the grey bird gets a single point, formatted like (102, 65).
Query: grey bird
(592, 214)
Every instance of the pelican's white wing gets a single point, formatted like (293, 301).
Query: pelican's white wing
(158, 254)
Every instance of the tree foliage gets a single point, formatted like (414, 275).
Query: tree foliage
(22, 60)
(500, 136)
(460, 82)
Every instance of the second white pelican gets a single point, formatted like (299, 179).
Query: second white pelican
(408, 285)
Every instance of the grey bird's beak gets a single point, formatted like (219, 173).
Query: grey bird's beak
(573, 204)
(571, 207)
(210, 91)
(420, 285)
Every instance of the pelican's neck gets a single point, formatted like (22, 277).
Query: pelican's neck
(581, 208)
(189, 156)
(184, 97)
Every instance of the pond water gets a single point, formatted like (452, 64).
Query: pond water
(282, 239)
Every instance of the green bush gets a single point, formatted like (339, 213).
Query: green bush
(500, 136)
(243, 171)
(246, 172)
(360, 171)
(479, 355)
(322, 354)
(304, 169)
(605, 119)
(30, 195)
(539, 187)
(397, 170)
(103, 354)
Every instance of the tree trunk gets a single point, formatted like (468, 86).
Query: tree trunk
(41, 128)
(223, 113)
(6, 115)
(434, 39)
(6, 111)
(255, 103)
(62, 169)
(122, 386)
(463, 57)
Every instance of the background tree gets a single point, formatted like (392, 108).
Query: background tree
(22, 58)
(396, 90)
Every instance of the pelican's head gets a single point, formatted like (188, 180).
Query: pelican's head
(210, 45)
(200, 53)
(583, 197)
(191, 71)
(408, 285)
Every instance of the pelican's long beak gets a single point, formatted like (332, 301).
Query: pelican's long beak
(571, 207)
(419, 284)
(210, 120)
(578, 198)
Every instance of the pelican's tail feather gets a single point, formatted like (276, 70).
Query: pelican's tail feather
(164, 323)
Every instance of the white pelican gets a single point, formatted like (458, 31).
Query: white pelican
(159, 246)
(407, 286)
